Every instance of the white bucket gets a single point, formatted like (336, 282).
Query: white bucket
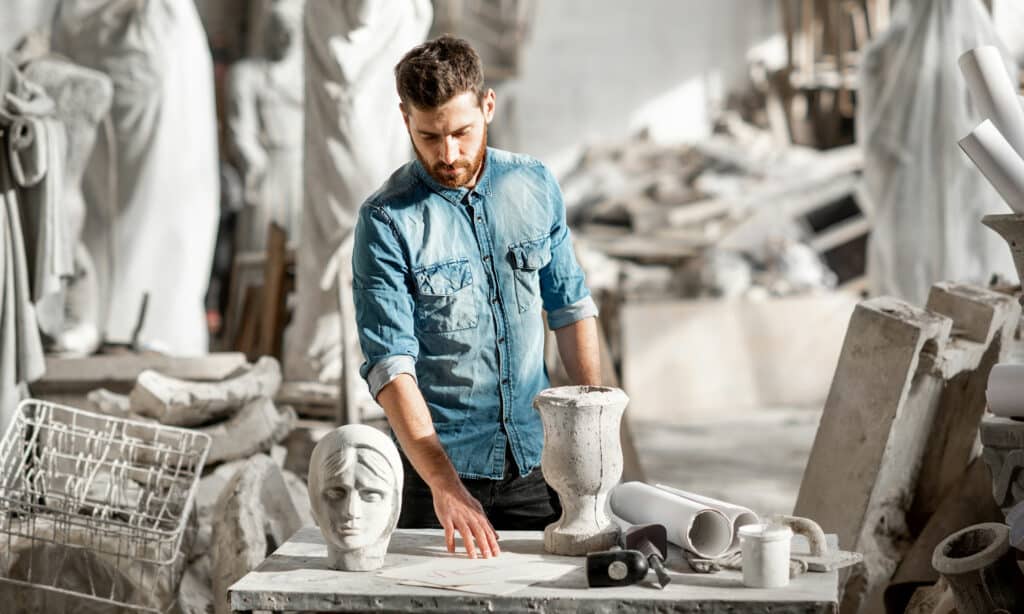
(765, 555)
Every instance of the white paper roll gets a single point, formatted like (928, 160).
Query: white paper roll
(1005, 391)
(997, 160)
(737, 514)
(698, 528)
(993, 91)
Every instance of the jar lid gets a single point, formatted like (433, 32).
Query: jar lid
(765, 532)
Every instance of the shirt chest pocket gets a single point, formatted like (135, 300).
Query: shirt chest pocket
(528, 258)
(444, 297)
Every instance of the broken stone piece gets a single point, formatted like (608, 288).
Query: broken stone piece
(256, 428)
(81, 566)
(582, 461)
(186, 403)
(195, 595)
(253, 516)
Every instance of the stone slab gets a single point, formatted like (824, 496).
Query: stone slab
(296, 577)
(690, 359)
(118, 372)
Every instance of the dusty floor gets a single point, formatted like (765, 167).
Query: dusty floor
(755, 459)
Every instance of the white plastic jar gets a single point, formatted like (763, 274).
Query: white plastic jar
(765, 551)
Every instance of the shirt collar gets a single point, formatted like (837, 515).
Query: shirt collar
(456, 195)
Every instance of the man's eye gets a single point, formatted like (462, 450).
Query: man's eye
(334, 494)
(371, 496)
(430, 138)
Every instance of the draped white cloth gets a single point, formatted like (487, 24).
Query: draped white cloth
(354, 139)
(152, 194)
(925, 197)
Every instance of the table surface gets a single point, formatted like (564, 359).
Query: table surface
(296, 577)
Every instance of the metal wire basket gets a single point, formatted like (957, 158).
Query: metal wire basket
(94, 510)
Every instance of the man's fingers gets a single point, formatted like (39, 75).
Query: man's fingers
(492, 539)
(449, 536)
(481, 534)
(467, 539)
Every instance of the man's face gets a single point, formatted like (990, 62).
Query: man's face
(451, 139)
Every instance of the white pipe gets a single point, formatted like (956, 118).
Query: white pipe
(737, 514)
(994, 92)
(1005, 390)
(698, 528)
(998, 161)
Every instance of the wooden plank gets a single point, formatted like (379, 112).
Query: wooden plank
(272, 316)
(247, 339)
(840, 234)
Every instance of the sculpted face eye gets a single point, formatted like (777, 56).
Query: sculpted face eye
(335, 494)
(371, 496)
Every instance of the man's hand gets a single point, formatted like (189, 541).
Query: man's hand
(457, 510)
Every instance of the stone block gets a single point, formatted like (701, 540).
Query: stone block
(254, 514)
(254, 429)
(188, 403)
(900, 423)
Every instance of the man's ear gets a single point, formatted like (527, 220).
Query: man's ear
(489, 105)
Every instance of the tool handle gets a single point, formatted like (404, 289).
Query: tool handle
(663, 577)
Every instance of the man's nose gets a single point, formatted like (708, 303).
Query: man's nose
(451, 150)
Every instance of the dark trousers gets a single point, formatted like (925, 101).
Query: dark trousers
(512, 503)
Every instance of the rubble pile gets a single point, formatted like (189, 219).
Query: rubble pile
(725, 217)
(247, 504)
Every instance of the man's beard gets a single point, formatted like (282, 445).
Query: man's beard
(467, 169)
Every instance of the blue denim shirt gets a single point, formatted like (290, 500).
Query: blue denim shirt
(449, 284)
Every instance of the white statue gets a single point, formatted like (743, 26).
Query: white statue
(152, 196)
(265, 128)
(355, 491)
(354, 140)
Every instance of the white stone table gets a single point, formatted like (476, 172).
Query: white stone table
(296, 577)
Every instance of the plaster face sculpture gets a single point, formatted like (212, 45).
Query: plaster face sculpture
(582, 461)
(355, 491)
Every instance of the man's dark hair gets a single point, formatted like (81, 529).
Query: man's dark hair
(433, 73)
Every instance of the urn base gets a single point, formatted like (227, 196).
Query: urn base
(571, 543)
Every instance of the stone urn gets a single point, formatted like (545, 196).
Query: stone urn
(582, 461)
(980, 567)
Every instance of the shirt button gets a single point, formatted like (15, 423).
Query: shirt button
(494, 300)
(505, 381)
(479, 219)
(486, 258)
(501, 340)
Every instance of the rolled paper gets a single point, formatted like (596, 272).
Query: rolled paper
(698, 528)
(1005, 391)
(737, 514)
(998, 161)
(993, 91)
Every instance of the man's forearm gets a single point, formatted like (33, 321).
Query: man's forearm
(580, 352)
(410, 420)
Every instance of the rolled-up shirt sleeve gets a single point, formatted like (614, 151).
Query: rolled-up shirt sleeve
(383, 300)
(562, 282)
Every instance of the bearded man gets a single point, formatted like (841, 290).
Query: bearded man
(455, 258)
